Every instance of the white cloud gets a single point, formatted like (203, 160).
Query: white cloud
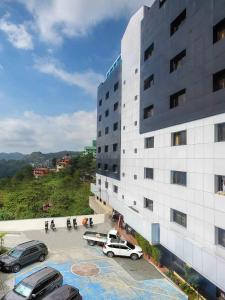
(17, 34)
(88, 80)
(33, 132)
(57, 19)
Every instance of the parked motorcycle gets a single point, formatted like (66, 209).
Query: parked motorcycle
(91, 224)
(46, 226)
(68, 224)
(52, 226)
(75, 223)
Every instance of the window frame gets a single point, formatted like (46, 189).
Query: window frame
(148, 175)
(148, 112)
(174, 98)
(177, 61)
(176, 180)
(150, 144)
(148, 204)
(148, 52)
(179, 217)
(178, 134)
(178, 22)
(148, 82)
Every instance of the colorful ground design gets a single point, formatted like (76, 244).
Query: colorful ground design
(111, 282)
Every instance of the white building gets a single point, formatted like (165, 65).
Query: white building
(166, 175)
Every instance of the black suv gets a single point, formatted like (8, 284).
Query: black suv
(65, 292)
(37, 285)
(22, 255)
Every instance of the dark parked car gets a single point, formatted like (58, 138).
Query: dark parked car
(65, 292)
(37, 285)
(22, 255)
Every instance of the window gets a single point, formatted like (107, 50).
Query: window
(220, 184)
(99, 181)
(149, 142)
(122, 196)
(219, 31)
(124, 105)
(178, 217)
(33, 250)
(99, 166)
(178, 99)
(177, 61)
(100, 102)
(124, 82)
(135, 150)
(124, 127)
(179, 178)
(148, 52)
(135, 123)
(136, 97)
(136, 71)
(148, 111)
(123, 174)
(115, 168)
(106, 184)
(107, 96)
(161, 3)
(123, 151)
(99, 133)
(115, 189)
(176, 24)
(106, 113)
(116, 105)
(135, 177)
(106, 148)
(220, 236)
(116, 86)
(99, 118)
(106, 130)
(99, 149)
(115, 126)
(179, 138)
(220, 132)
(148, 173)
(148, 82)
(115, 147)
(148, 203)
(219, 80)
(105, 167)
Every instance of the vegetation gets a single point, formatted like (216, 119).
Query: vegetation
(58, 194)
(151, 251)
(2, 248)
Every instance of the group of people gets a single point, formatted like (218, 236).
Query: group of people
(68, 224)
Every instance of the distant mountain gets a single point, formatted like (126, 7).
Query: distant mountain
(11, 156)
(10, 163)
(45, 159)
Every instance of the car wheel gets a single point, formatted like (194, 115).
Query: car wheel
(16, 268)
(91, 243)
(42, 258)
(134, 256)
(110, 254)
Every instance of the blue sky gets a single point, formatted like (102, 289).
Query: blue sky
(53, 55)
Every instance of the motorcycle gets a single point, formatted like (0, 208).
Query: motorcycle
(68, 224)
(46, 226)
(91, 224)
(52, 226)
(75, 223)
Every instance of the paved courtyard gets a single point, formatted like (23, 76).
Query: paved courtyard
(96, 276)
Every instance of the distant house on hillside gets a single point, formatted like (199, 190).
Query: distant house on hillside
(63, 163)
(40, 172)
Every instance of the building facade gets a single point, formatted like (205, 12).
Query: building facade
(169, 183)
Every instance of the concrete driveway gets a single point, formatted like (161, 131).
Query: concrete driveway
(96, 276)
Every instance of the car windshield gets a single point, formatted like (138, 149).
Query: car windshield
(15, 253)
(23, 290)
(130, 245)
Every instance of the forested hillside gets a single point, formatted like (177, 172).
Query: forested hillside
(64, 193)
